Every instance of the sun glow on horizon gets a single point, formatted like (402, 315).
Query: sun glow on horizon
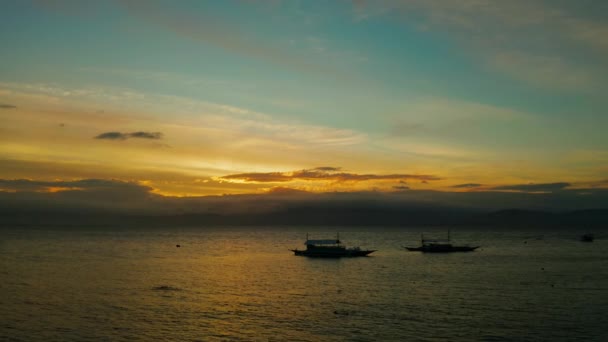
(211, 111)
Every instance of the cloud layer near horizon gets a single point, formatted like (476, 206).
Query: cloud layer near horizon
(321, 173)
(133, 198)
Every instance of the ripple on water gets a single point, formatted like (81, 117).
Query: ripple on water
(166, 288)
(236, 285)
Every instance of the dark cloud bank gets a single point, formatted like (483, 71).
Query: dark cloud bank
(467, 186)
(112, 202)
(125, 136)
(322, 173)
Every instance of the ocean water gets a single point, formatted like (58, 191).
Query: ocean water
(242, 284)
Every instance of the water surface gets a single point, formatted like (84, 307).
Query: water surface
(242, 283)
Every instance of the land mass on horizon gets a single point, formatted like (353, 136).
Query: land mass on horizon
(317, 216)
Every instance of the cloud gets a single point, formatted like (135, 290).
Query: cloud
(320, 174)
(400, 128)
(466, 186)
(79, 196)
(281, 190)
(146, 135)
(545, 71)
(113, 136)
(552, 44)
(327, 168)
(207, 121)
(124, 136)
(206, 28)
(541, 187)
(26, 185)
(115, 196)
(7, 106)
(401, 187)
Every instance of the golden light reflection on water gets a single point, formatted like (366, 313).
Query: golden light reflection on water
(243, 284)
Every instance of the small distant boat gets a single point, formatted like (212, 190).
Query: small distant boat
(439, 246)
(330, 248)
(587, 237)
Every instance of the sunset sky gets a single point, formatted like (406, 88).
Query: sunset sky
(196, 98)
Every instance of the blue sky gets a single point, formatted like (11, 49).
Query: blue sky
(485, 91)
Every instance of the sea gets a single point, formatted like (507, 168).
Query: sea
(243, 284)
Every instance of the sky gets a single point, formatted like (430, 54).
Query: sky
(212, 98)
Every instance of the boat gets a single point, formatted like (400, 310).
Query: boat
(330, 248)
(439, 246)
(587, 237)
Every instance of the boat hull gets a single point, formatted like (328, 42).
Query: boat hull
(331, 254)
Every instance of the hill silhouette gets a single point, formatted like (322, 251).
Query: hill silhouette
(309, 215)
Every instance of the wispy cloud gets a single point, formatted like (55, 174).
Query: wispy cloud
(27, 185)
(208, 29)
(211, 118)
(327, 168)
(320, 174)
(545, 71)
(124, 136)
(532, 41)
(7, 106)
(209, 139)
(281, 190)
(424, 114)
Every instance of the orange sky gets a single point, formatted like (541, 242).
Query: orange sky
(354, 100)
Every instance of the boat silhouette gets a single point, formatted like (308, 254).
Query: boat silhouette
(439, 246)
(330, 248)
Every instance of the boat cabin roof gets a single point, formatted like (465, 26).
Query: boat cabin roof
(322, 242)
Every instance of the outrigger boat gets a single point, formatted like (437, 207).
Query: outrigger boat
(439, 246)
(330, 248)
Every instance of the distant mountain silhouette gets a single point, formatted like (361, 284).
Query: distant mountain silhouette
(317, 215)
(517, 216)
